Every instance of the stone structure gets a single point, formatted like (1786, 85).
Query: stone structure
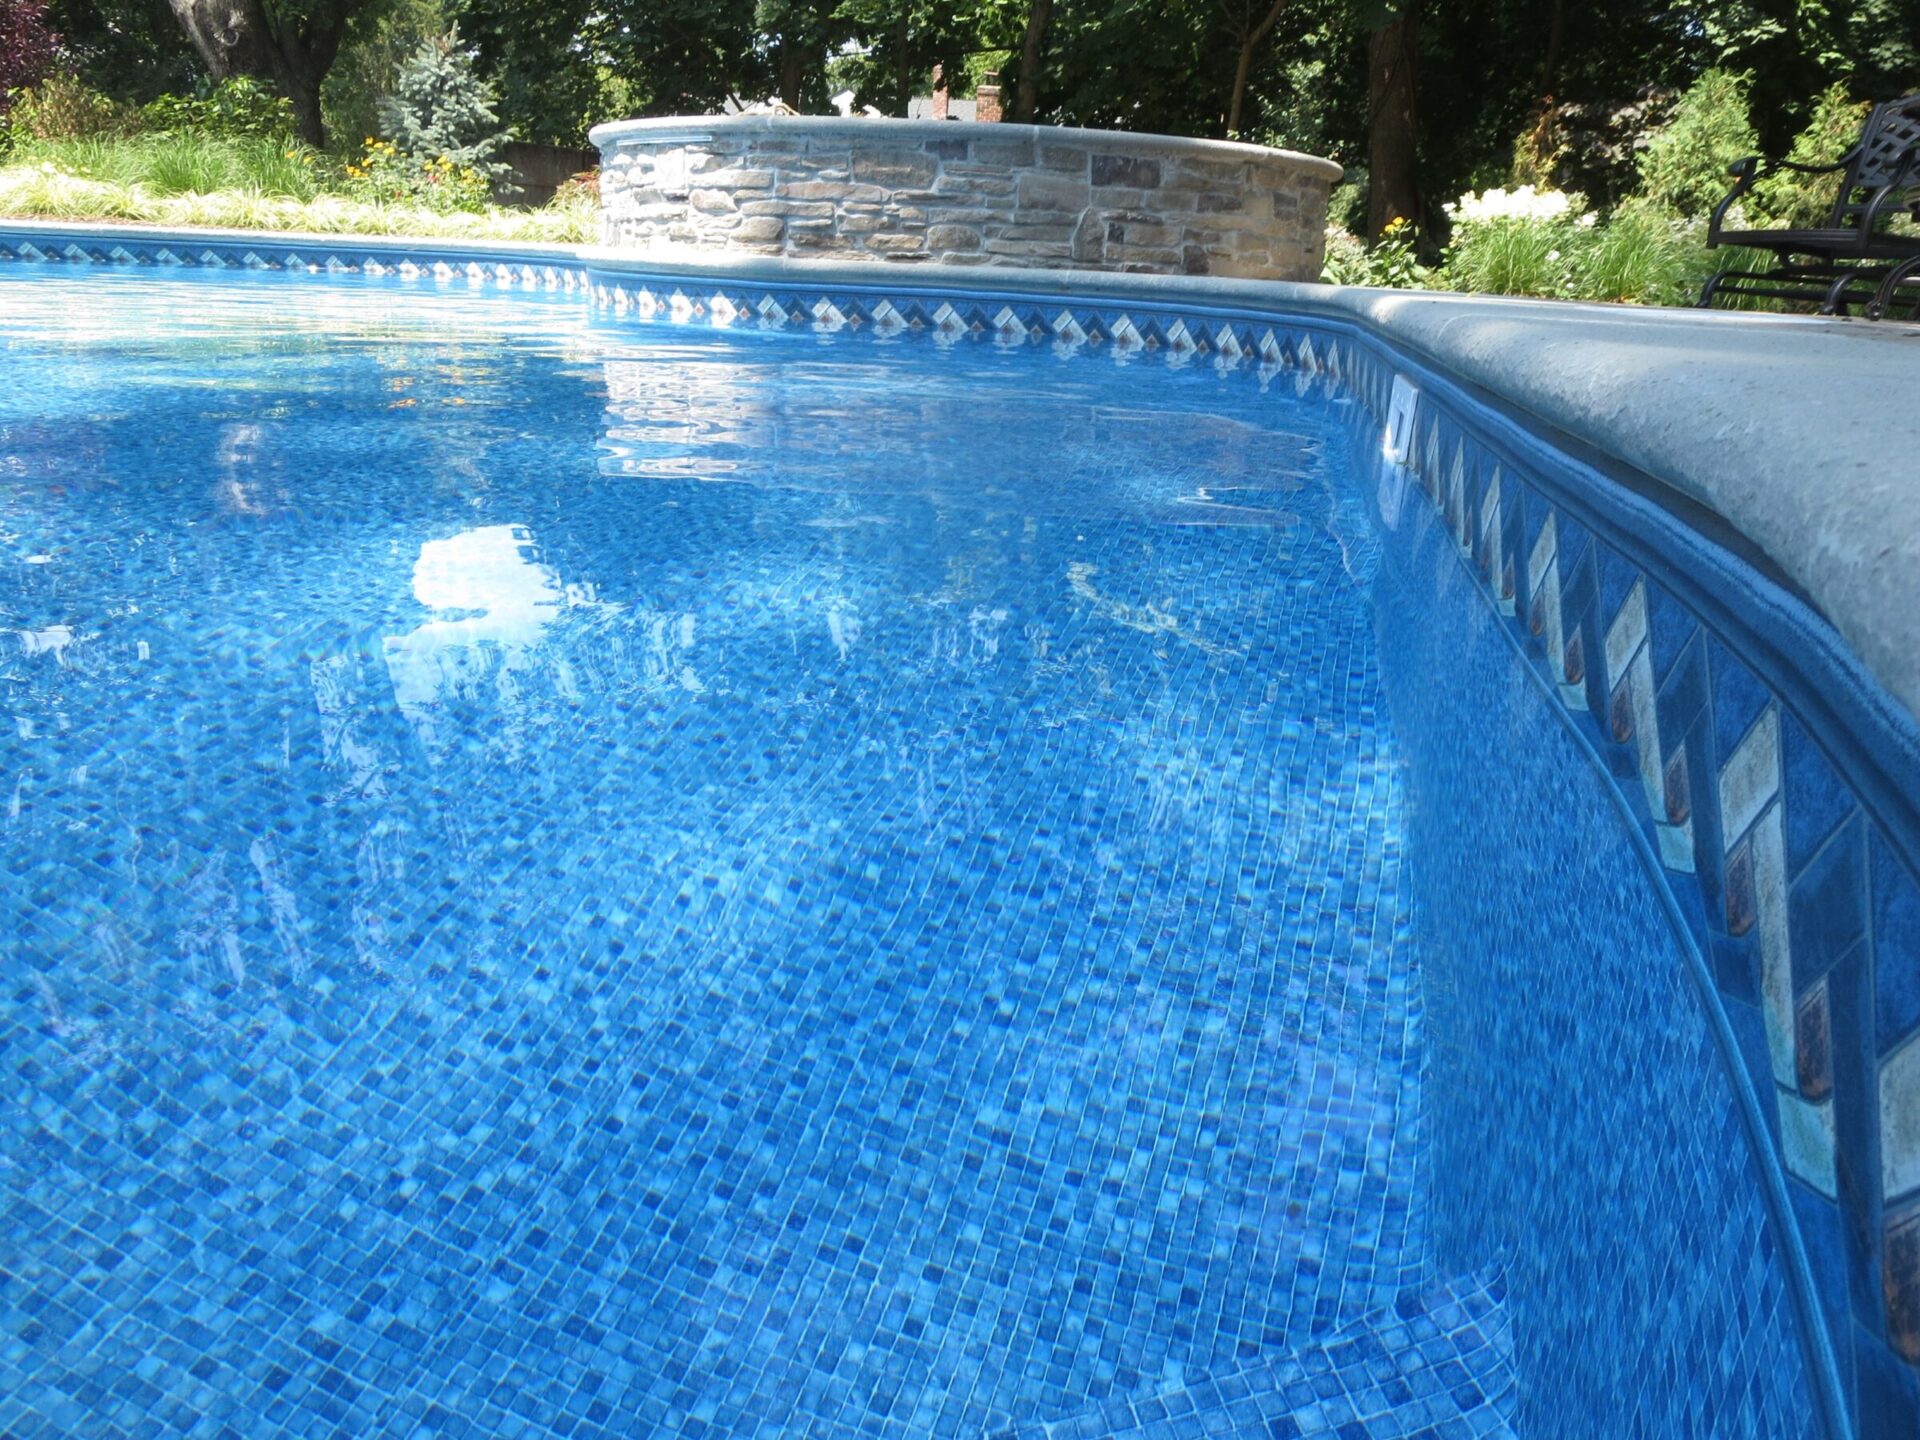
(957, 194)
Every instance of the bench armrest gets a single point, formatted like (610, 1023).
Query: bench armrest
(1750, 169)
(1744, 171)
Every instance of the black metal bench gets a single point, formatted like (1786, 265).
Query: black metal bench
(1843, 262)
(1891, 295)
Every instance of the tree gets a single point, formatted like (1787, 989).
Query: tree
(442, 109)
(800, 34)
(291, 43)
(896, 44)
(1033, 48)
(27, 46)
(1249, 26)
(1393, 55)
(556, 64)
(380, 42)
(130, 49)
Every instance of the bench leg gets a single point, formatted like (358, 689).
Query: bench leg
(1836, 301)
(1884, 298)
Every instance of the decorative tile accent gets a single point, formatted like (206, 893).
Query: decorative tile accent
(1900, 1122)
(1751, 778)
(1806, 1140)
(1813, 1044)
(1798, 884)
(1902, 1284)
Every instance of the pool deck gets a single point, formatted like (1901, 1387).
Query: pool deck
(1795, 438)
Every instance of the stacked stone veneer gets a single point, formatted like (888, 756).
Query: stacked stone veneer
(963, 194)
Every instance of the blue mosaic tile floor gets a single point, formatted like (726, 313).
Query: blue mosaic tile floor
(1437, 1365)
(569, 880)
(570, 883)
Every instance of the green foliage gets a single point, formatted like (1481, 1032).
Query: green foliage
(63, 106)
(133, 50)
(386, 175)
(1595, 147)
(29, 46)
(381, 39)
(49, 190)
(186, 163)
(1684, 167)
(1547, 244)
(1791, 199)
(441, 115)
(240, 106)
(1512, 257)
(898, 42)
(1389, 263)
(566, 65)
(1641, 256)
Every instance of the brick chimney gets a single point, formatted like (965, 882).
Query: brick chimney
(986, 98)
(940, 92)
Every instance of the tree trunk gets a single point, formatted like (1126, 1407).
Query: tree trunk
(230, 36)
(1249, 43)
(237, 37)
(1026, 97)
(1391, 190)
(308, 123)
(903, 79)
(791, 72)
(1550, 62)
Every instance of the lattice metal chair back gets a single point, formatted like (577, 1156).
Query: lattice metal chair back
(1885, 156)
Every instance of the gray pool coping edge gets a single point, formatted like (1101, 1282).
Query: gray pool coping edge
(666, 130)
(1733, 412)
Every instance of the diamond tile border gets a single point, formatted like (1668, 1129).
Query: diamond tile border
(1808, 942)
(1715, 732)
(294, 255)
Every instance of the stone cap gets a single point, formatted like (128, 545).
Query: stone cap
(673, 129)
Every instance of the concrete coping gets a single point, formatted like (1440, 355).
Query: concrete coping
(671, 130)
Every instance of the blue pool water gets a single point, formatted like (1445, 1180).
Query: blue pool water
(563, 879)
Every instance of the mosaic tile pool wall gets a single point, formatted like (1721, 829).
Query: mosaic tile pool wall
(1614, 1177)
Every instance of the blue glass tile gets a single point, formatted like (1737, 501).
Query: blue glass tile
(1573, 539)
(1681, 700)
(1581, 617)
(1735, 961)
(1816, 800)
(1616, 579)
(1856, 1124)
(1738, 697)
(1886, 1392)
(1827, 904)
(1670, 628)
(1896, 945)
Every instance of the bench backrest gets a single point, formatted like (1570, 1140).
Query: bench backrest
(1891, 131)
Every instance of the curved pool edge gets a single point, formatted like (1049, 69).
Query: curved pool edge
(1516, 392)
(1731, 411)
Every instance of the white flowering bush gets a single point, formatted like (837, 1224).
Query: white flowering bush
(1522, 241)
(1523, 202)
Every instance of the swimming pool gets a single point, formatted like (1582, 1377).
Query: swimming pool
(565, 878)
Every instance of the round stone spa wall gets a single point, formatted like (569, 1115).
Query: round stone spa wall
(962, 193)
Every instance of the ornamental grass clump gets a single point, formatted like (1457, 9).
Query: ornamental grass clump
(1523, 241)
